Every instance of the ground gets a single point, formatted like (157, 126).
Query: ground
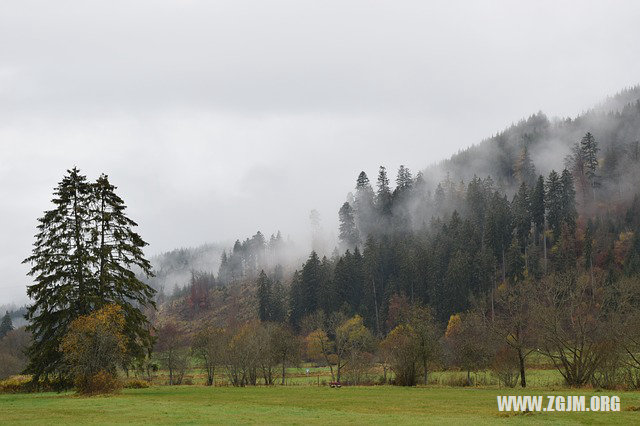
(297, 405)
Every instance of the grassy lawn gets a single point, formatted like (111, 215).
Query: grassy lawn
(296, 405)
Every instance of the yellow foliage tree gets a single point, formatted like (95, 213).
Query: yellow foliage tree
(94, 347)
(454, 325)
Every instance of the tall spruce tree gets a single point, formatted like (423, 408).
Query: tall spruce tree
(348, 230)
(568, 200)
(82, 259)
(521, 210)
(589, 148)
(553, 203)
(537, 207)
(525, 169)
(383, 194)
(61, 266)
(364, 206)
(6, 325)
(119, 252)
(264, 297)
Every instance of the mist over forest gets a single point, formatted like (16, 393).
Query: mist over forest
(386, 202)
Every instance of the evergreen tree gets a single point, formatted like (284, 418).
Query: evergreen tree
(297, 305)
(589, 148)
(61, 266)
(364, 206)
(82, 260)
(311, 280)
(576, 163)
(568, 200)
(521, 208)
(6, 325)
(264, 297)
(515, 262)
(497, 230)
(553, 203)
(525, 169)
(404, 180)
(538, 207)
(348, 231)
(383, 194)
(119, 252)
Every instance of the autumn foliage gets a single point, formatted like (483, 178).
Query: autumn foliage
(93, 348)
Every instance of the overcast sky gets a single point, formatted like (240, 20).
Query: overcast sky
(219, 118)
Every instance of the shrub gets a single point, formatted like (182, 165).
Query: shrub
(506, 366)
(100, 382)
(16, 384)
(136, 384)
(93, 348)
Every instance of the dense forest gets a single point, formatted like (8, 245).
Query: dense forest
(542, 196)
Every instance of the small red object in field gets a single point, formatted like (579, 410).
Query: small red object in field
(335, 384)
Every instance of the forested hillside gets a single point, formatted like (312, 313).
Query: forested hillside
(540, 196)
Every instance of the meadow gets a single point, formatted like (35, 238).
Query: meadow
(298, 405)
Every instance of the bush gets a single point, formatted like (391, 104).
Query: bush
(136, 384)
(93, 348)
(101, 382)
(506, 366)
(632, 378)
(16, 384)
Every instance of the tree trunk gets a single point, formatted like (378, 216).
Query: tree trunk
(523, 380)
(375, 305)
(283, 369)
(504, 271)
(544, 244)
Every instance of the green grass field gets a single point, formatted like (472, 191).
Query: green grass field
(296, 405)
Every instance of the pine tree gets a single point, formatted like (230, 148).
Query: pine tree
(348, 230)
(119, 252)
(525, 169)
(568, 200)
(296, 301)
(383, 194)
(6, 325)
(364, 206)
(264, 297)
(589, 148)
(576, 163)
(82, 260)
(538, 207)
(515, 262)
(553, 202)
(521, 208)
(404, 180)
(61, 265)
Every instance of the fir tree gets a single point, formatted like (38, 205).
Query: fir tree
(568, 200)
(119, 252)
(553, 202)
(589, 148)
(82, 259)
(383, 194)
(537, 206)
(521, 208)
(61, 266)
(404, 180)
(6, 325)
(348, 230)
(264, 297)
(364, 206)
(525, 169)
